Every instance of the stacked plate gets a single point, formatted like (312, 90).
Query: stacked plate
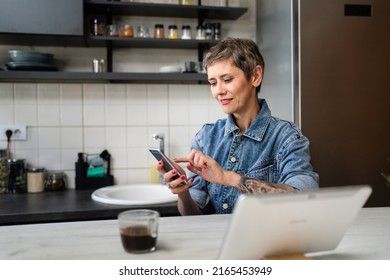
(31, 60)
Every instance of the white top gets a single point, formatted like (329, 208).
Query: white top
(190, 237)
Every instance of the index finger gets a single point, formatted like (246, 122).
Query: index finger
(181, 159)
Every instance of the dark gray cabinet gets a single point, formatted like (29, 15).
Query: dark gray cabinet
(42, 17)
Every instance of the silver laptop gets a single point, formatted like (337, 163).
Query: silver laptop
(291, 223)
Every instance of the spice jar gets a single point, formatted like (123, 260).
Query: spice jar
(172, 32)
(97, 27)
(35, 180)
(217, 30)
(186, 32)
(208, 31)
(55, 181)
(200, 33)
(127, 31)
(159, 31)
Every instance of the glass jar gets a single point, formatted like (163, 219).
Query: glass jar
(126, 31)
(97, 27)
(186, 32)
(35, 180)
(172, 32)
(200, 34)
(208, 31)
(159, 31)
(16, 176)
(55, 181)
(217, 30)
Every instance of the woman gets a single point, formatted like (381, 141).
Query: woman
(248, 152)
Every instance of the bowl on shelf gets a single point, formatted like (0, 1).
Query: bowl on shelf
(30, 57)
(170, 69)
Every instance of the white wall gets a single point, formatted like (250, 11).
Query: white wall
(66, 118)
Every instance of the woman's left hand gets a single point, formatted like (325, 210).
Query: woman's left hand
(204, 166)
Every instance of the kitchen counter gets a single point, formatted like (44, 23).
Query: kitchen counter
(180, 238)
(65, 206)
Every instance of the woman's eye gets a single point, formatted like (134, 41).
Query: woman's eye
(227, 80)
(212, 84)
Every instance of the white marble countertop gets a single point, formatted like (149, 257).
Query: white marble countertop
(191, 237)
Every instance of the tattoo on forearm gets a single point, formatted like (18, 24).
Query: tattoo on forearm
(250, 185)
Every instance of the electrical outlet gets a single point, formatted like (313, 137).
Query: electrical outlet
(19, 132)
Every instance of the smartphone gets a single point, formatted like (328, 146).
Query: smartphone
(168, 165)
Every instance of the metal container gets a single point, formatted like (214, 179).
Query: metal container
(35, 180)
(16, 176)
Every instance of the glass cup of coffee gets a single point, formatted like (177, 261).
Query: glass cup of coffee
(138, 230)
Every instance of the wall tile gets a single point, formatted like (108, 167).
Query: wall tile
(94, 138)
(94, 115)
(49, 115)
(115, 115)
(71, 94)
(26, 114)
(136, 136)
(94, 94)
(116, 137)
(71, 138)
(6, 94)
(71, 115)
(48, 94)
(25, 94)
(137, 115)
(50, 159)
(6, 114)
(49, 138)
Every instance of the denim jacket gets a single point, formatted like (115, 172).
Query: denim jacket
(271, 149)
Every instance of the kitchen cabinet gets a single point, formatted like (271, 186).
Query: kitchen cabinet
(43, 17)
(110, 9)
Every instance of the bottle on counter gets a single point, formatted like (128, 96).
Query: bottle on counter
(55, 181)
(3, 171)
(16, 176)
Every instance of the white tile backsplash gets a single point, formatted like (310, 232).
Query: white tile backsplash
(92, 117)
(66, 118)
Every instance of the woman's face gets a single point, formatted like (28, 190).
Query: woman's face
(230, 87)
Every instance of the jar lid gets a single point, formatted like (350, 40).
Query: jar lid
(159, 26)
(172, 27)
(55, 173)
(14, 160)
(186, 27)
(35, 169)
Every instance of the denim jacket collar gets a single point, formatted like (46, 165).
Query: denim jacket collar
(257, 128)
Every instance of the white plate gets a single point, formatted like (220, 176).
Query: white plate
(141, 194)
(170, 69)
